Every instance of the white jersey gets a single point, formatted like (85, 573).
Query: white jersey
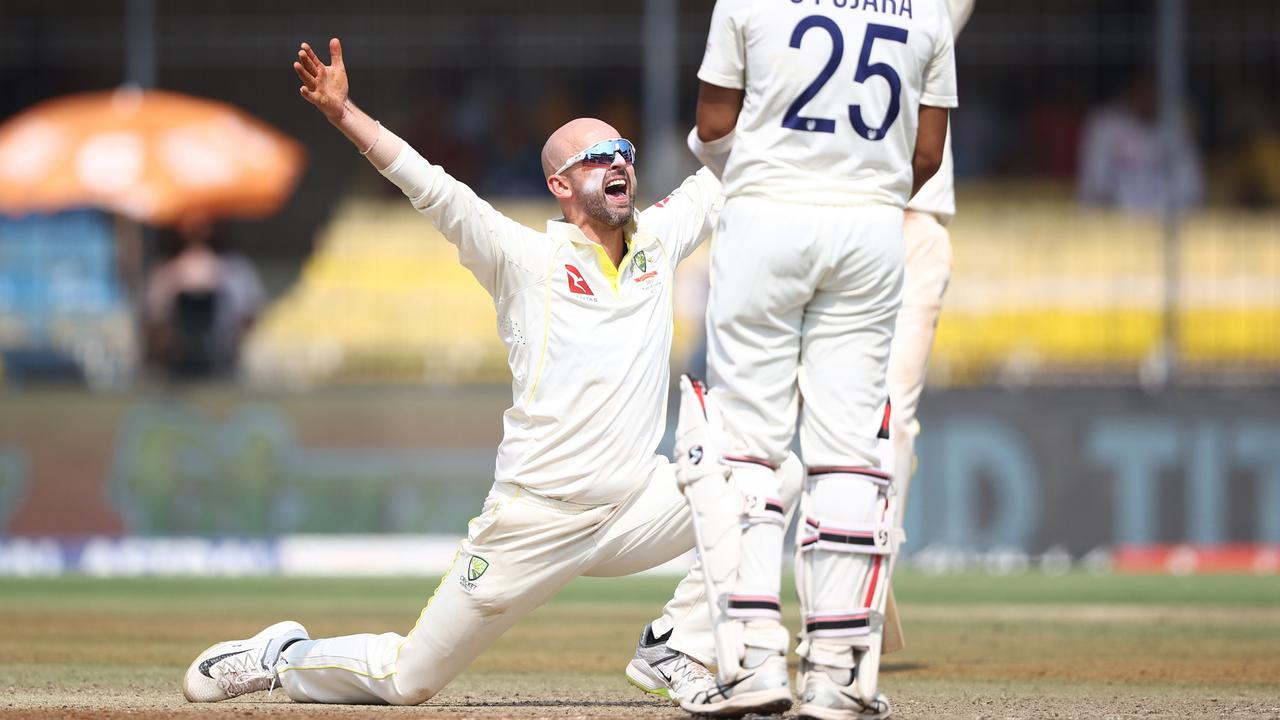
(938, 196)
(832, 94)
(588, 344)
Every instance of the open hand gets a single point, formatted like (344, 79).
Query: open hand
(324, 86)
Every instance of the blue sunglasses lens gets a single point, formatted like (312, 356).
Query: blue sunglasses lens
(602, 153)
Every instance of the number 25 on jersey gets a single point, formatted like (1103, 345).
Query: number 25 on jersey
(793, 120)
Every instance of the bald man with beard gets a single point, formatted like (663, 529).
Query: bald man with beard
(585, 310)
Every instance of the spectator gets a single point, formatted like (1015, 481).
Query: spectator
(1123, 159)
(1254, 168)
(514, 158)
(200, 303)
(435, 132)
(1055, 123)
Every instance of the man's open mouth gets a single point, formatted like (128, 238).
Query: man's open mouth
(616, 188)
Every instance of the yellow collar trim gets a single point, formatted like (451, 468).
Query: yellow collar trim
(613, 272)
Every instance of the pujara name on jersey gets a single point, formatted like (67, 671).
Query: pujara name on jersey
(900, 8)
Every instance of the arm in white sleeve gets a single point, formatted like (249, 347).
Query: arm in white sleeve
(712, 153)
(687, 217)
(959, 10)
(940, 72)
(386, 146)
(486, 239)
(724, 62)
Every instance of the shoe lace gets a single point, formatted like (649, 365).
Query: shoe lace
(243, 674)
(689, 672)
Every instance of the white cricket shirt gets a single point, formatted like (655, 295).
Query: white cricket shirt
(588, 344)
(832, 90)
(938, 196)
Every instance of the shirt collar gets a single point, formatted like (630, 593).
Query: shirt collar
(561, 229)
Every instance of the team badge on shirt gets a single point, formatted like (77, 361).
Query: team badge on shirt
(475, 568)
(640, 261)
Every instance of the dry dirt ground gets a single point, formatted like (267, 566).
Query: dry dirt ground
(115, 649)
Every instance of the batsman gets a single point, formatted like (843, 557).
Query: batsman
(822, 120)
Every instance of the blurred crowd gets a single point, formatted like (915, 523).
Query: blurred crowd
(1079, 125)
(493, 142)
(1111, 144)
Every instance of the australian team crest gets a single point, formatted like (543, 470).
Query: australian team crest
(640, 261)
(476, 568)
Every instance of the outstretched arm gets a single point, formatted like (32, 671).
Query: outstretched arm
(325, 86)
(487, 241)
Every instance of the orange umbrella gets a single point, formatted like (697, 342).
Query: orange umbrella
(153, 156)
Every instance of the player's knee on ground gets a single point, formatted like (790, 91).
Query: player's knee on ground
(414, 694)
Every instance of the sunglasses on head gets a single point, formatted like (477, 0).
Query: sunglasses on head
(602, 153)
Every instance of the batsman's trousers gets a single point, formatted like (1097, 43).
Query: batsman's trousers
(802, 304)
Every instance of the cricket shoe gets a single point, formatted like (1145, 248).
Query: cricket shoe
(237, 667)
(761, 690)
(822, 698)
(659, 670)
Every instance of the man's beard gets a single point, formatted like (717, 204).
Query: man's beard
(598, 208)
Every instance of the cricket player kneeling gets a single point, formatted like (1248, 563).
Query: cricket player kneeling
(845, 546)
(583, 305)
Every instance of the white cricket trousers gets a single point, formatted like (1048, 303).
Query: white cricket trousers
(802, 305)
(928, 270)
(517, 554)
(799, 320)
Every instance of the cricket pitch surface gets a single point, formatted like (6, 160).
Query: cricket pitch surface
(978, 646)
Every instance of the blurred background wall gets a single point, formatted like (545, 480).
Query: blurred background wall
(1106, 364)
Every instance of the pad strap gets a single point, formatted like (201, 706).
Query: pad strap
(754, 606)
(882, 479)
(748, 460)
(855, 623)
(760, 509)
(863, 538)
